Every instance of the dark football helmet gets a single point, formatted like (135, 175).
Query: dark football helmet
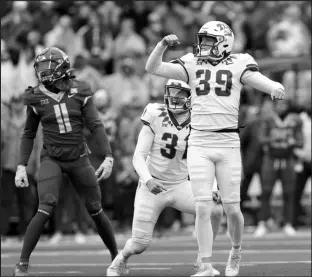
(51, 64)
(177, 96)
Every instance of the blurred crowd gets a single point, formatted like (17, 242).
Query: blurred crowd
(108, 44)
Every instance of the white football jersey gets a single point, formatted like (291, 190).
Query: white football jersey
(167, 158)
(216, 97)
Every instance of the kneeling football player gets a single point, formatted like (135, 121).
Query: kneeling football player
(160, 160)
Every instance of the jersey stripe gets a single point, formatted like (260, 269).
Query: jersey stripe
(66, 117)
(59, 119)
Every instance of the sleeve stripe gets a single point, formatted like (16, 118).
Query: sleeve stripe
(179, 61)
(147, 124)
(251, 67)
(86, 99)
(34, 109)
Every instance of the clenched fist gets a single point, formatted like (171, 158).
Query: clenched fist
(170, 40)
(278, 94)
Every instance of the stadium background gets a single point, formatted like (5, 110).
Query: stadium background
(108, 44)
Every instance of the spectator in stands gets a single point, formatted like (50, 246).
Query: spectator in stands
(252, 148)
(280, 134)
(85, 71)
(289, 37)
(303, 168)
(125, 84)
(98, 41)
(30, 47)
(127, 178)
(8, 75)
(12, 129)
(64, 37)
(108, 116)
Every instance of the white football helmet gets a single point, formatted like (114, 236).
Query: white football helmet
(177, 96)
(214, 41)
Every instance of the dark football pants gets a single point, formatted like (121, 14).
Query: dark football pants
(81, 174)
(272, 170)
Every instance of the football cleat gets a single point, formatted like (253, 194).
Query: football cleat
(204, 270)
(232, 267)
(118, 266)
(198, 264)
(21, 269)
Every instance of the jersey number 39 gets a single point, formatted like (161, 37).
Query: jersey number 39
(222, 78)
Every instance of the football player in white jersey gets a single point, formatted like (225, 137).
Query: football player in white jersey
(216, 78)
(160, 161)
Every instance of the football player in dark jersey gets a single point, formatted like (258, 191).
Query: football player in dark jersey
(63, 105)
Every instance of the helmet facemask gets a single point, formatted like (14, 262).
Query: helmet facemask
(49, 71)
(207, 46)
(177, 99)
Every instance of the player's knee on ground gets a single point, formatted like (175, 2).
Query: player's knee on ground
(217, 211)
(204, 209)
(47, 204)
(232, 209)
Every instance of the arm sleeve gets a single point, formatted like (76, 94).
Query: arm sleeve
(28, 136)
(156, 66)
(298, 135)
(96, 127)
(260, 82)
(145, 141)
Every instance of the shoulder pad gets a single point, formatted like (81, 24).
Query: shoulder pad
(151, 112)
(30, 95)
(82, 88)
(248, 60)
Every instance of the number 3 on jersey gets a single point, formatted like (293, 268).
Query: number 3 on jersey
(62, 118)
(170, 150)
(222, 77)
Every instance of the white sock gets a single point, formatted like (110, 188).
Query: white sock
(204, 230)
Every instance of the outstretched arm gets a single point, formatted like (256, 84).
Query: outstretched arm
(260, 82)
(156, 66)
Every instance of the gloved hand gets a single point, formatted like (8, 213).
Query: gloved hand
(105, 169)
(21, 179)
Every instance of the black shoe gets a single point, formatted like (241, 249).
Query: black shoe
(21, 269)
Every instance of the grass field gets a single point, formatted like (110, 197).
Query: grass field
(274, 255)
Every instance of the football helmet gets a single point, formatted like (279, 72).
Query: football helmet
(214, 41)
(177, 96)
(51, 64)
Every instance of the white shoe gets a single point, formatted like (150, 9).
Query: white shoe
(205, 270)
(56, 238)
(260, 231)
(118, 266)
(198, 264)
(80, 238)
(289, 230)
(232, 267)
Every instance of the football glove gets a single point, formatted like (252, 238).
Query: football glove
(278, 94)
(21, 179)
(216, 197)
(105, 169)
(155, 186)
